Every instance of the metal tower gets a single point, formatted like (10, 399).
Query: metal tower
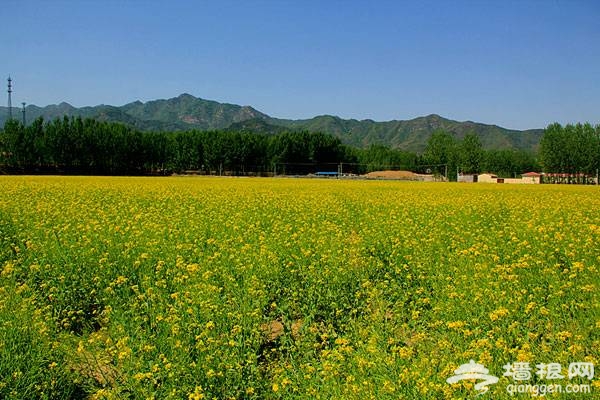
(23, 111)
(9, 99)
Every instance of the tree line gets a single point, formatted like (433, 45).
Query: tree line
(449, 156)
(571, 149)
(89, 146)
(76, 145)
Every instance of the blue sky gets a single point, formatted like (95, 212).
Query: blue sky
(518, 64)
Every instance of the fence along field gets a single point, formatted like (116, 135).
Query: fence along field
(279, 288)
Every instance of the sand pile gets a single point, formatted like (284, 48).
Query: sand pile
(392, 175)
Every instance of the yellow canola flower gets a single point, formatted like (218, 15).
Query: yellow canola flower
(295, 287)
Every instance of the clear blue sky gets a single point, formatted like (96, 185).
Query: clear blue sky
(518, 64)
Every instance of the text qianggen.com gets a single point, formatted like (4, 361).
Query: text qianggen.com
(542, 390)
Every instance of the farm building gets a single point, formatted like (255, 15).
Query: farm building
(469, 178)
(528, 178)
(531, 177)
(487, 178)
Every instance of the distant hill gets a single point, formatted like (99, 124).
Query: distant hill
(188, 112)
(413, 134)
(261, 125)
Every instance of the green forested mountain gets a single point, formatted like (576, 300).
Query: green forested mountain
(188, 112)
(412, 134)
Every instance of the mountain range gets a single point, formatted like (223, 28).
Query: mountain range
(188, 112)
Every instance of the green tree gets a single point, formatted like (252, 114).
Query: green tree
(570, 149)
(471, 154)
(12, 143)
(509, 163)
(441, 154)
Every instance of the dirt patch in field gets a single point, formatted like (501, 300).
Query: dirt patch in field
(274, 329)
(97, 369)
(392, 175)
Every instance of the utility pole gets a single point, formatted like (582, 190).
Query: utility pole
(23, 111)
(9, 98)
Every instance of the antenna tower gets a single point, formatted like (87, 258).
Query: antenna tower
(9, 99)
(23, 111)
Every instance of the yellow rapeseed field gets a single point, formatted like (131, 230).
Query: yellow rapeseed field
(236, 288)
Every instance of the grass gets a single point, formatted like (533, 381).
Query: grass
(279, 288)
